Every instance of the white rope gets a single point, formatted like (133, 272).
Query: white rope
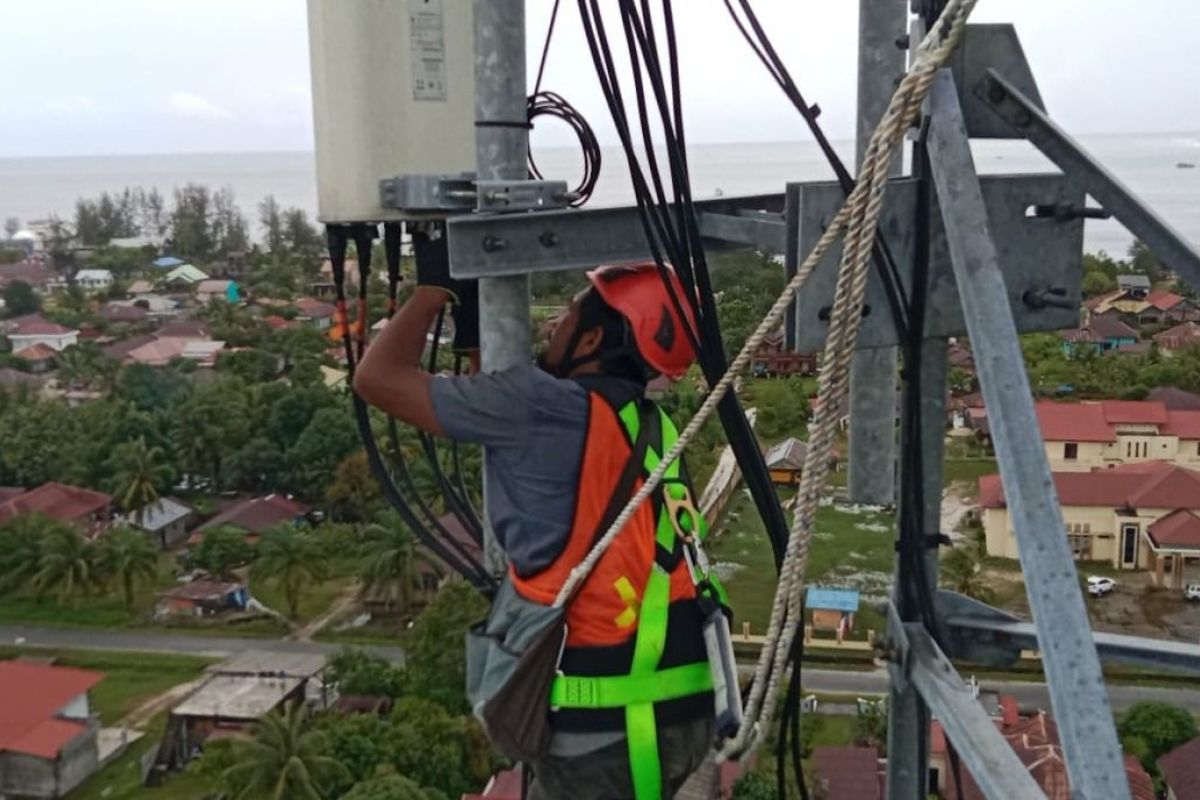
(857, 220)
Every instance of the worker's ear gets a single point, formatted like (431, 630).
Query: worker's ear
(589, 342)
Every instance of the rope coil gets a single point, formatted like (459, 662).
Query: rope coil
(856, 222)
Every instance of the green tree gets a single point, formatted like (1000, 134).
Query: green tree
(252, 366)
(140, 474)
(1097, 283)
(1156, 729)
(961, 571)
(387, 565)
(328, 438)
(20, 299)
(436, 749)
(1142, 259)
(128, 558)
(190, 221)
(68, 565)
(256, 466)
(354, 492)
(358, 672)
(223, 549)
(283, 760)
(21, 541)
(391, 787)
(292, 559)
(870, 726)
(270, 219)
(438, 670)
(755, 786)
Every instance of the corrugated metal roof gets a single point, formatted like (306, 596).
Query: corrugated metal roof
(31, 695)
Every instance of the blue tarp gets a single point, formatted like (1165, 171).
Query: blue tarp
(844, 600)
(168, 262)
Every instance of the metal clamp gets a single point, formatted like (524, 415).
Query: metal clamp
(462, 193)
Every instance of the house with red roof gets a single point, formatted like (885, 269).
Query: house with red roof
(1180, 769)
(1079, 437)
(255, 516)
(87, 510)
(48, 734)
(1136, 516)
(1101, 333)
(316, 313)
(1169, 307)
(1035, 740)
(1180, 337)
(847, 773)
(33, 329)
(40, 357)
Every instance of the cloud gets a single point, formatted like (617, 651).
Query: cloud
(187, 104)
(75, 106)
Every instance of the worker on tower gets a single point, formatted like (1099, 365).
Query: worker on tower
(613, 695)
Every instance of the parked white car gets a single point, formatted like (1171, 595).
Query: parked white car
(1099, 586)
(1191, 591)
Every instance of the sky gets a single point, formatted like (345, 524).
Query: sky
(152, 76)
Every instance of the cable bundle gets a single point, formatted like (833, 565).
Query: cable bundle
(855, 222)
(550, 104)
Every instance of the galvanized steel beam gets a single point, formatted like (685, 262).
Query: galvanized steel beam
(1027, 118)
(1080, 702)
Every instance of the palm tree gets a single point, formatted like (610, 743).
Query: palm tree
(128, 558)
(67, 564)
(387, 565)
(139, 471)
(962, 572)
(21, 548)
(292, 558)
(284, 760)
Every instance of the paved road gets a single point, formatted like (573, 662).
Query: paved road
(1029, 695)
(159, 642)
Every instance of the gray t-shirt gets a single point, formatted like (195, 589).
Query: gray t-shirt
(533, 427)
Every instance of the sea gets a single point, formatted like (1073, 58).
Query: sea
(1152, 165)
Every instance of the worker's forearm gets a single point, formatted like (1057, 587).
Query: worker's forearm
(402, 342)
(390, 376)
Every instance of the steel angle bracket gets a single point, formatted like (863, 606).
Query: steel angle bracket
(981, 634)
(1040, 257)
(497, 245)
(1023, 115)
(895, 649)
(986, 47)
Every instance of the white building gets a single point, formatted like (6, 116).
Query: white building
(34, 329)
(94, 280)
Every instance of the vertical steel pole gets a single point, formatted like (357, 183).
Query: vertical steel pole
(501, 150)
(1077, 692)
(872, 478)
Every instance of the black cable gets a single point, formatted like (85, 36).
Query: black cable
(337, 237)
(456, 504)
(882, 258)
(552, 104)
(455, 456)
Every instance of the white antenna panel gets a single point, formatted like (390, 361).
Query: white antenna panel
(393, 93)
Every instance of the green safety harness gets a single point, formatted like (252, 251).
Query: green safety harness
(646, 684)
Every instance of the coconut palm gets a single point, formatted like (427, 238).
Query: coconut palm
(67, 565)
(139, 472)
(21, 548)
(284, 760)
(291, 558)
(961, 571)
(127, 557)
(388, 561)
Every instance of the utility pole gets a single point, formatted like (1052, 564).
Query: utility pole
(872, 478)
(502, 150)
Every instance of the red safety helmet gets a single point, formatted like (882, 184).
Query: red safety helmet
(637, 291)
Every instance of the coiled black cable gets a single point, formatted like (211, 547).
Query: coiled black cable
(551, 104)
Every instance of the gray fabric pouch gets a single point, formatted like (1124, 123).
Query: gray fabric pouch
(512, 658)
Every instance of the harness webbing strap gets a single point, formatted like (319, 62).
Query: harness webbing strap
(614, 691)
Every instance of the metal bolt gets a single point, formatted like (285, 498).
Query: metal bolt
(549, 239)
(492, 244)
(1038, 299)
(996, 94)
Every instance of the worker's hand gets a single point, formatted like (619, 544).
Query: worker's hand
(466, 317)
(433, 262)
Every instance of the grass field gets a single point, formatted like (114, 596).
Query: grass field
(848, 548)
